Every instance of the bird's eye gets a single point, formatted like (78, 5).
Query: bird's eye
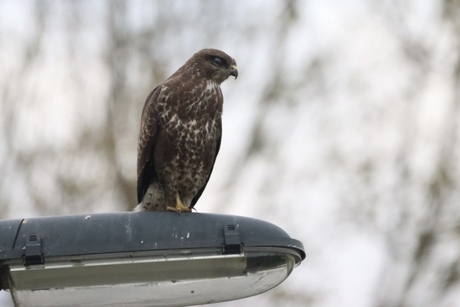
(218, 61)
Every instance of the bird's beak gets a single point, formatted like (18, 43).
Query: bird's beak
(234, 71)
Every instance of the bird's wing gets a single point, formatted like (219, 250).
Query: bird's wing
(147, 138)
(218, 140)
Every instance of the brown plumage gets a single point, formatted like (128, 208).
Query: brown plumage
(180, 134)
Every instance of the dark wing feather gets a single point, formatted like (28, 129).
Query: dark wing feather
(147, 137)
(218, 140)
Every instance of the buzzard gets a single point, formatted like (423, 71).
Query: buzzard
(180, 133)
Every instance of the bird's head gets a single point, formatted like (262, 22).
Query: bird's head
(214, 65)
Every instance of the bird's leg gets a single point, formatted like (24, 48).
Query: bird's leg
(179, 206)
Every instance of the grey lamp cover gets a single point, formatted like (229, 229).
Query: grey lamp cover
(142, 259)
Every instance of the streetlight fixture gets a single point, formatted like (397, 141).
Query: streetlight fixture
(142, 259)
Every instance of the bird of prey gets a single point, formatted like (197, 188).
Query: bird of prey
(180, 133)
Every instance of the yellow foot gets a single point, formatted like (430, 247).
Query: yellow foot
(179, 206)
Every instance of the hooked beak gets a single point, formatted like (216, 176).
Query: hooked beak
(234, 71)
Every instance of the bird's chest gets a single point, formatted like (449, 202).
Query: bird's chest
(193, 118)
(190, 132)
(194, 139)
(189, 153)
(193, 131)
(190, 129)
